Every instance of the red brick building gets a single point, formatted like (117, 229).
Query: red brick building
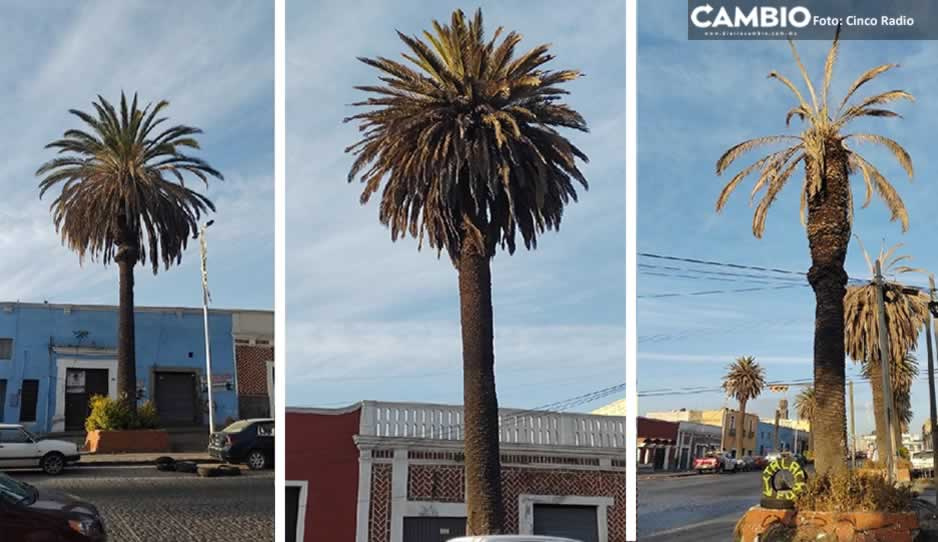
(254, 359)
(393, 472)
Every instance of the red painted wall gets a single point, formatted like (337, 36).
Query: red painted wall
(320, 450)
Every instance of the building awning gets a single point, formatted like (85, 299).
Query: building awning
(654, 442)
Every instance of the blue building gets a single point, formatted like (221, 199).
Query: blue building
(765, 439)
(54, 357)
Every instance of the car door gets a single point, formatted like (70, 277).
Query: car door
(17, 448)
(265, 437)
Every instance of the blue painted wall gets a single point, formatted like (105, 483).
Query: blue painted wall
(170, 338)
(765, 439)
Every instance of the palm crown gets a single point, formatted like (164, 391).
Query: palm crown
(123, 184)
(806, 403)
(824, 131)
(744, 379)
(906, 312)
(466, 140)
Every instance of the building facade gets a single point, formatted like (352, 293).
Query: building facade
(791, 438)
(254, 355)
(726, 419)
(393, 472)
(695, 440)
(55, 357)
(657, 444)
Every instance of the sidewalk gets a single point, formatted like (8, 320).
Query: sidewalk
(666, 474)
(103, 460)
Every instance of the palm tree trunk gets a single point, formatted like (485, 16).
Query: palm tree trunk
(828, 236)
(741, 429)
(126, 350)
(483, 467)
(876, 383)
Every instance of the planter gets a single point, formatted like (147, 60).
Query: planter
(831, 526)
(138, 440)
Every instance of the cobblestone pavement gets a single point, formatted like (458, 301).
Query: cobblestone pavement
(141, 504)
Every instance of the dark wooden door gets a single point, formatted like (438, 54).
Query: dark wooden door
(175, 398)
(80, 386)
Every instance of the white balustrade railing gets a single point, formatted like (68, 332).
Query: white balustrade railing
(445, 422)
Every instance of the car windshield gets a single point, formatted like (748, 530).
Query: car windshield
(237, 427)
(14, 491)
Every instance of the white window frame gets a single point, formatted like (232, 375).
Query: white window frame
(526, 504)
(270, 389)
(300, 506)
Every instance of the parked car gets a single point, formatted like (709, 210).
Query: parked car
(715, 462)
(511, 538)
(20, 448)
(245, 441)
(759, 462)
(923, 462)
(749, 463)
(28, 513)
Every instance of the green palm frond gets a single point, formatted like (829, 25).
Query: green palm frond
(464, 142)
(744, 379)
(123, 183)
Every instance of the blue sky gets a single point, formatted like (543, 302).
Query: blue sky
(213, 61)
(368, 319)
(695, 100)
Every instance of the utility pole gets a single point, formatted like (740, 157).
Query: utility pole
(887, 381)
(853, 429)
(933, 311)
(203, 249)
(775, 444)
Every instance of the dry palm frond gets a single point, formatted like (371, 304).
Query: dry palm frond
(123, 183)
(464, 144)
(744, 379)
(822, 135)
(906, 313)
(806, 403)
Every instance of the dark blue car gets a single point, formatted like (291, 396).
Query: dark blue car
(250, 442)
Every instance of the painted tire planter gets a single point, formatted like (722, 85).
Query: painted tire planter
(777, 495)
(140, 441)
(829, 526)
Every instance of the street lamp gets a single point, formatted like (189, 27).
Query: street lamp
(203, 249)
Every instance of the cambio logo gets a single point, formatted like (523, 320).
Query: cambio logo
(757, 17)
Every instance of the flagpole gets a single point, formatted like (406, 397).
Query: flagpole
(203, 249)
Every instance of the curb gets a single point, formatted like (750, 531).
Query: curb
(667, 476)
(139, 462)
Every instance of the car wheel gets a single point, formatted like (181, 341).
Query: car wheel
(53, 463)
(699, 472)
(256, 460)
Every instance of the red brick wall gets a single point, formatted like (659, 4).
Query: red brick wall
(320, 450)
(252, 368)
(446, 483)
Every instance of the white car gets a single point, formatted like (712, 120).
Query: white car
(511, 538)
(20, 448)
(923, 462)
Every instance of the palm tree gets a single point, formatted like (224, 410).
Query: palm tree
(464, 141)
(906, 314)
(822, 148)
(123, 195)
(744, 380)
(806, 404)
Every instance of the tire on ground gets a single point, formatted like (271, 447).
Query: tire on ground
(228, 470)
(186, 466)
(208, 471)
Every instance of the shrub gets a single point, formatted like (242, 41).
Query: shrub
(904, 452)
(114, 415)
(849, 491)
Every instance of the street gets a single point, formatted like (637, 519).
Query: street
(696, 507)
(141, 504)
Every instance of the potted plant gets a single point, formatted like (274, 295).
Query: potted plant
(113, 427)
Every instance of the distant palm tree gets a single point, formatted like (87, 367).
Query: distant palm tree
(906, 313)
(744, 381)
(123, 194)
(465, 144)
(806, 404)
(822, 148)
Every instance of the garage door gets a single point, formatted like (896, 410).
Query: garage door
(433, 529)
(576, 522)
(175, 398)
